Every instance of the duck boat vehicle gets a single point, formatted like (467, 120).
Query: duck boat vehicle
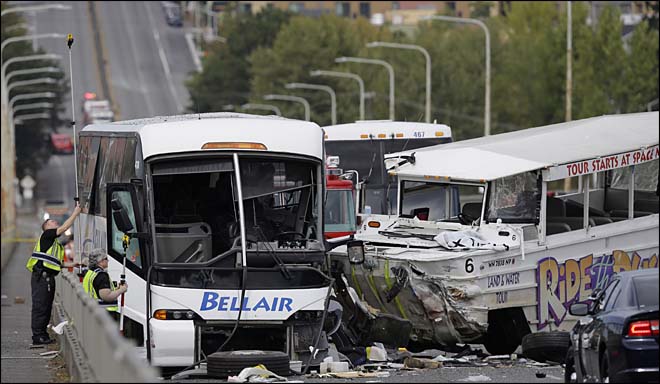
(494, 238)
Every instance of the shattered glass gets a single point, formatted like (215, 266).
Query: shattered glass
(646, 176)
(513, 198)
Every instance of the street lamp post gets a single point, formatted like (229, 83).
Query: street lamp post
(297, 99)
(333, 96)
(9, 172)
(28, 37)
(31, 71)
(379, 62)
(485, 29)
(19, 59)
(421, 49)
(28, 96)
(267, 107)
(10, 111)
(32, 106)
(41, 80)
(32, 116)
(347, 75)
(40, 7)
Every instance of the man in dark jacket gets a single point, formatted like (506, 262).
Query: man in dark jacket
(45, 263)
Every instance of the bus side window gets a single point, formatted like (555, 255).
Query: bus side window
(116, 236)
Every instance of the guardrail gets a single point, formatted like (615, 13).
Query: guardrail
(94, 350)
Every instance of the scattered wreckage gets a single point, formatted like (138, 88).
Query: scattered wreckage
(495, 237)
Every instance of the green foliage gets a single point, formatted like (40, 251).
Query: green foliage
(611, 74)
(307, 44)
(225, 78)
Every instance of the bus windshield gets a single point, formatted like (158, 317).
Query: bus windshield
(367, 157)
(196, 205)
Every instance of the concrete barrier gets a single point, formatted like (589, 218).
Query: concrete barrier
(94, 350)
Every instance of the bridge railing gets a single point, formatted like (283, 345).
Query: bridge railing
(94, 350)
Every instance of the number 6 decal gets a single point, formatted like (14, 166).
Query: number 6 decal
(469, 267)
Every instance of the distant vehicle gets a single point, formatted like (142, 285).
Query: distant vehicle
(172, 14)
(61, 143)
(617, 340)
(96, 111)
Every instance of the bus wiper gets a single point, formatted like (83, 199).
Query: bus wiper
(271, 252)
(371, 168)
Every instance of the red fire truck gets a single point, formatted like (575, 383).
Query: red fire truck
(340, 213)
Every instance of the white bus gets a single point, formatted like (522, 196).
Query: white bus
(561, 208)
(226, 211)
(362, 146)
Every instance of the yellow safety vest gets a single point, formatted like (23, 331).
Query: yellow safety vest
(52, 258)
(88, 286)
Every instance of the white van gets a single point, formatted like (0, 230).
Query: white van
(495, 237)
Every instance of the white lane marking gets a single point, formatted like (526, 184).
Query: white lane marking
(131, 39)
(193, 51)
(163, 60)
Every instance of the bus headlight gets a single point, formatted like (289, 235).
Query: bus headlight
(172, 314)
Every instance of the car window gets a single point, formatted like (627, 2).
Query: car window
(646, 288)
(607, 294)
(614, 296)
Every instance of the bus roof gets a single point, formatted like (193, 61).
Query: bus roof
(385, 129)
(552, 147)
(188, 133)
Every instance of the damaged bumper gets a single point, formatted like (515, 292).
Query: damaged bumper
(398, 296)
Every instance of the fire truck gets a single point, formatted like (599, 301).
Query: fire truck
(96, 111)
(340, 208)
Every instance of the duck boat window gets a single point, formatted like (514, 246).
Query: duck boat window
(514, 199)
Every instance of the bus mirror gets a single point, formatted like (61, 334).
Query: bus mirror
(120, 216)
(355, 251)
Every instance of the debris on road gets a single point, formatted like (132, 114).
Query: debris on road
(19, 300)
(477, 379)
(258, 374)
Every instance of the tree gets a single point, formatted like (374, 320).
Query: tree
(307, 44)
(458, 75)
(641, 70)
(225, 78)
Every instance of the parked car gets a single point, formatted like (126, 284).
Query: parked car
(61, 143)
(617, 339)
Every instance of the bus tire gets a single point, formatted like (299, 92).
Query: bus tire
(546, 346)
(506, 329)
(231, 363)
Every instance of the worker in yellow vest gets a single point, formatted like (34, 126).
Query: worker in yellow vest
(45, 263)
(98, 285)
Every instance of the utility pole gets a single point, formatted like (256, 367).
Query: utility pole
(569, 75)
(569, 62)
